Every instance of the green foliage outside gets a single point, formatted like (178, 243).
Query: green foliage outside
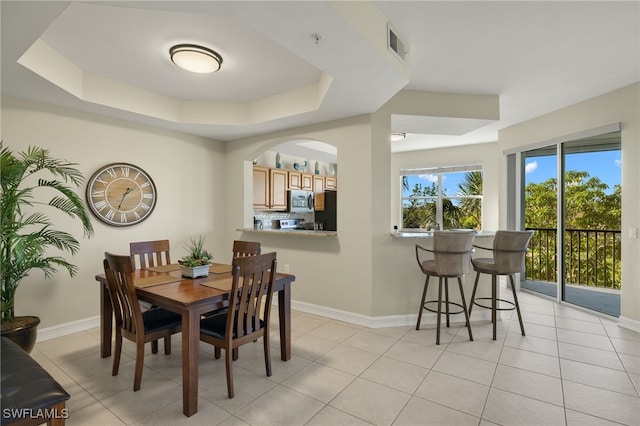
(592, 258)
(420, 210)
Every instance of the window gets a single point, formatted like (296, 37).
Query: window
(442, 198)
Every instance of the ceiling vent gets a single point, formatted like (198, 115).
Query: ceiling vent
(395, 44)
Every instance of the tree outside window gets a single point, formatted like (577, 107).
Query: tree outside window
(442, 198)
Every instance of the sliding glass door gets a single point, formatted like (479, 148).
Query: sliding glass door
(572, 200)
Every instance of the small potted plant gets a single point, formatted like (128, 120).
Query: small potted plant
(196, 263)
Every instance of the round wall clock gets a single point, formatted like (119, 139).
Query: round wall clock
(121, 194)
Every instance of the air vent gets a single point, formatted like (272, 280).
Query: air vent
(395, 44)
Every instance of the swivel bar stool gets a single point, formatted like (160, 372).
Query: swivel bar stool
(451, 259)
(509, 249)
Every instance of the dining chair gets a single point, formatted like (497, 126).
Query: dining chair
(449, 258)
(245, 248)
(130, 321)
(150, 253)
(247, 318)
(509, 250)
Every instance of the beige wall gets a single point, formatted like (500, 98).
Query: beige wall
(181, 167)
(622, 106)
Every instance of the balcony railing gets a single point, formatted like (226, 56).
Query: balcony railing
(592, 257)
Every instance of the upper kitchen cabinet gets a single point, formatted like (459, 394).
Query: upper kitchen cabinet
(298, 180)
(318, 184)
(270, 188)
(330, 183)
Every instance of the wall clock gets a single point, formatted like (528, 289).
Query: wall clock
(121, 194)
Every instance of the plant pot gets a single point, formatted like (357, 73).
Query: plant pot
(23, 331)
(194, 271)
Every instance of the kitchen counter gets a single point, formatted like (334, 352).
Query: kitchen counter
(429, 234)
(291, 232)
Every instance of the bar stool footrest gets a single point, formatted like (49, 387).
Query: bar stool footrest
(444, 311)
(511, 306)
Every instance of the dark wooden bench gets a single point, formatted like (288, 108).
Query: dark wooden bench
(29, 395)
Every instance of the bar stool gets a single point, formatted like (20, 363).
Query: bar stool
(509, 249)
(451, 259)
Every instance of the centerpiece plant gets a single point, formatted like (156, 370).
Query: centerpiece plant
(33, 183)
(196, 262)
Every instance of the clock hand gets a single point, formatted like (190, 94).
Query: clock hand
(124, 195)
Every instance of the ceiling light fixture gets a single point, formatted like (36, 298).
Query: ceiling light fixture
(396, 136)
(194, 58)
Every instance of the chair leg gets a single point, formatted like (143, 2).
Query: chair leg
(424, 296)
(446, 298)
(116, 355)
(473, 294)
(515, 300)
(236, 353)
(228, 358)
(267, 354)
(154, 347)
(464, 306)
(167, 345)
(139, 365)
(439, 310)
(494, 303)
(217, 352)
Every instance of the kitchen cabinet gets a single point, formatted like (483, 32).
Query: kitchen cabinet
(295, 180)
(269, 188)
(318, 184)
(306, 182)
(331, 183)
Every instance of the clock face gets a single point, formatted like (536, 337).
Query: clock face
(121, 194)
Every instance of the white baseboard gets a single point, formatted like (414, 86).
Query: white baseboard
(629, 324)
(49, 333)
(382, 321)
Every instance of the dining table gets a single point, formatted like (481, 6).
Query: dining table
(164, 286)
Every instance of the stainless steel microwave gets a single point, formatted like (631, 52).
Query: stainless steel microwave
(300, 201)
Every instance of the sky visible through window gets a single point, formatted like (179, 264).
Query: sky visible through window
(450, 182)
(605, 165)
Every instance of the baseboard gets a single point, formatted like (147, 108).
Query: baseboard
(629, 324)
(382, 321)
(49, 333)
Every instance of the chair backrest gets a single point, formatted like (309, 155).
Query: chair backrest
(150, 253)
(124, 299)
(253, 278)
(245, 248)
(509, 249)
(452, 252)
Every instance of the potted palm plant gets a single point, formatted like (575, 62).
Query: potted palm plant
(32, 183)
(196, 263)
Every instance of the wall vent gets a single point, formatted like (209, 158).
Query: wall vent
(395, 44)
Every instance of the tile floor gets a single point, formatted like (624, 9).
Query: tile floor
(572, 368)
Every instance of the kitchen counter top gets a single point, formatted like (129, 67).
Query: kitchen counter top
(429, 234)
(291, 232)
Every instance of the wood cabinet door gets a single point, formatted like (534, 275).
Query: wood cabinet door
(260, 188)
(279, 181)
(318, 202)
(318, 184)
(306, 182)
(331, 183)
(295, 180)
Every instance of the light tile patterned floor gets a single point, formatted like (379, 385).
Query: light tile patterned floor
(572, 368)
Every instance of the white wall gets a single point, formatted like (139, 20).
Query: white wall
(188, 173)
(622, 106)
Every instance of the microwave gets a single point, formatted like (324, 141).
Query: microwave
(300, 201)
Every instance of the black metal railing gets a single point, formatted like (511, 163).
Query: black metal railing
(592, 257)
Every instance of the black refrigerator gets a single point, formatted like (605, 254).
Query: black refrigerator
(328, 216)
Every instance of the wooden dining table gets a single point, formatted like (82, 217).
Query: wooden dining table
(165, 287)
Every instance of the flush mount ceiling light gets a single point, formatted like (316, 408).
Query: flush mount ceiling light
(194, 58)
(397, 136)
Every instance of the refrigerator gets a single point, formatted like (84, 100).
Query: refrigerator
(328, 216)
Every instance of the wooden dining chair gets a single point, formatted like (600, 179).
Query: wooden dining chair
(247, 318)
(150, 253)
(130, 321)
(245, 248)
